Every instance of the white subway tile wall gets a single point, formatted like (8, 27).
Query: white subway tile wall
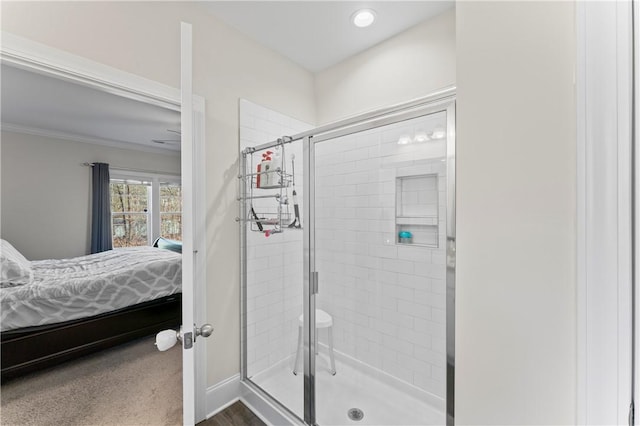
(274, 263)
(387, 299)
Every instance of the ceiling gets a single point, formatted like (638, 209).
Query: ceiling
(38, 104)
(314, 34)
(319, 34)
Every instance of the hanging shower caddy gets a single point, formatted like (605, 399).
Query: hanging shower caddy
(263, 190)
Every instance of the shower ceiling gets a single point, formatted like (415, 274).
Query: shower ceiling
(319, 34)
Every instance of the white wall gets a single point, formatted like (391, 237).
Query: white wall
(410, 65)
(46, 191)
(516, 178)
(387, 299)
(516, 173)
(144, 38)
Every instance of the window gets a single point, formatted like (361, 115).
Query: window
(171, 211)
(130, 213)
(136, 219)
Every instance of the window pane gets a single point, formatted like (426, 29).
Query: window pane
(170, 198)
(129, 229)
(127, 197)
(171, 226)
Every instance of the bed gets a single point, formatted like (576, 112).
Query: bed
(56, 310)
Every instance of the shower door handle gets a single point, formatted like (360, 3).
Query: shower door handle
(314, 282)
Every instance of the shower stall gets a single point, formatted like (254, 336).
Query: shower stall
(348, 264)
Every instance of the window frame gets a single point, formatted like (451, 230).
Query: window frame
(160, 213)
(153, 194)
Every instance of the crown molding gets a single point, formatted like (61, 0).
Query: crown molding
(34, 131)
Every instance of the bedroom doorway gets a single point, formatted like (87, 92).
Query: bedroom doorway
(24, 57)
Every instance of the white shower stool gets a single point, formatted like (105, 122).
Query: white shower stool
(323, 320)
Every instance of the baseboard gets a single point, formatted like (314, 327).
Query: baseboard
(228, 391)
(262, 407)
(223, 394)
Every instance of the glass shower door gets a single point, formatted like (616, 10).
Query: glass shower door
(377, 271)
(272, 253)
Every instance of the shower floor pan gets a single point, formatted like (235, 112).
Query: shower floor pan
(381, 401)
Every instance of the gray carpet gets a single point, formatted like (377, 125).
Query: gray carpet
(133, 384)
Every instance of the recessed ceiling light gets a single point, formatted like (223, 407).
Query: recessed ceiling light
(363, 18)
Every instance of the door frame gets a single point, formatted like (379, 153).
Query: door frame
(604, 245)
(635, 143)
(26, 54)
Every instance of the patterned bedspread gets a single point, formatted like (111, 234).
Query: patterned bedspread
(68, 289)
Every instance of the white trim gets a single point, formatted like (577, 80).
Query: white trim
(188, 231)
(27, 54)
(624, 68)
(228, 391)
(581, 220)
(36, 57)
(155, 209)
(603, 212)
(263, 408)
(636, 237)
(123, 173)
(268, 416)
(200, 250)
(222, 394)
(200, 245)
(65, 136)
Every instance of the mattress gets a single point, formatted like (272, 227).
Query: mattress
(81, 287)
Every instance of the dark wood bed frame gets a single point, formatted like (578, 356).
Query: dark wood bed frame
(34, 348)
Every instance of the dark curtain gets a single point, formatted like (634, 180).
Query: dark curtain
(101, 210)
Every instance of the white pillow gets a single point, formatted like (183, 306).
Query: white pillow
(15, 269)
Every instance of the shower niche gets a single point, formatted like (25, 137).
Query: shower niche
(417, 210)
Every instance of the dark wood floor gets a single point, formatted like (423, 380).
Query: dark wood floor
(235, 415)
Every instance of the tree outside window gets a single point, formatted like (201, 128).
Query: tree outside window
(130, 221)
(137, 217)
(171, 211)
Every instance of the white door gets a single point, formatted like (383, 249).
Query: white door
(193, 348)
(188, 320)
(193, 387)
(636, 142)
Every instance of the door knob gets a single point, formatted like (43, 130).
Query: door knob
(204, 331)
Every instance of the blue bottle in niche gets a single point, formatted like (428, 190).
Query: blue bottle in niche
(405, 237)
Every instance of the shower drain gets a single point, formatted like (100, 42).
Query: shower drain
(355, 414)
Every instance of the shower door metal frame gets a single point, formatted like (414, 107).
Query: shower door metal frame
(441, 101)
(448, 106)
(310, 281)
